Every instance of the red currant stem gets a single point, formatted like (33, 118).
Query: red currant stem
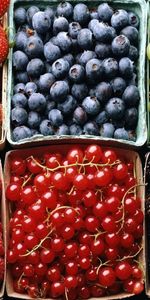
(66, 294)
(139, 265)
(101, 286)
(98, 234)
(62, 207)
(18, 282)
(101, 193)
(106, 263)
(71, 190)
(36, 247)
(123, 199)
(76, 164)
(130, 256)
(26, 181)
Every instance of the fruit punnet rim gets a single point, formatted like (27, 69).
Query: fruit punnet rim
(147, 285)
(139, 6)
(3, 220)
(62, 149)
(147, 77)
(4, 95)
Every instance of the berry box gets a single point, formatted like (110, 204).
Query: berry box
(86, 168)
(147, 219)
(34, 123)
(3, 95)
(3, 236)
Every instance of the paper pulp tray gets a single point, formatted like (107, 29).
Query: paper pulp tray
(63, 149)
(3, 96)
(139, 7)
(3, 220)
(147, 223)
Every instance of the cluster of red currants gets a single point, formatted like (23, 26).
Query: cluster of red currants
(76, 225)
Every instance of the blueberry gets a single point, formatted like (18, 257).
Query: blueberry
(34, 119)
(103, 32)
(133, 19)
(30, 88)
(46, 128)
(19, 116)
(132, 135)
(131, 33)
(131, 96)
(121, 133)
(110, 66)
(69, 58)
(118, 123)
(34, 132)
(64, 41)
(65, 9)
(35, 67)
(103, 50)
(115, 108)
(77, 73)
(107, 130)
(48, 67)
(120, 45)
(20, 60)
(94, 14)
(41, 22)
(51, 52)
(94, 70)
(37, 102)
(131, 118)
(92, 24)
(53, 40)
(103, 91)
(50, 12)
(126, 67)
(21, 77)
(19, 100)
(55, 116)
(91, 105)
(59, 90)
(75, 129)
(133, 53)
(31, 11)
(21, 40)
(20, 16)
(84, 39)
(79, 91)
(68, 106)
(81, 13)
(86, 56)
(92, 92)
(120, 19)
(101, 118)
(60, 68)
(74, 28)
(105, 12)
(118, 85)
(45, 82)
(34, 47)
(20, 133)
(91, 128)
(19, 88)
(80, 116)
(60, 24)
(63, 130)
(49, 105)
(132, 80)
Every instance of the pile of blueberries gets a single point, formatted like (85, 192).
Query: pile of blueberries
(75, 72)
